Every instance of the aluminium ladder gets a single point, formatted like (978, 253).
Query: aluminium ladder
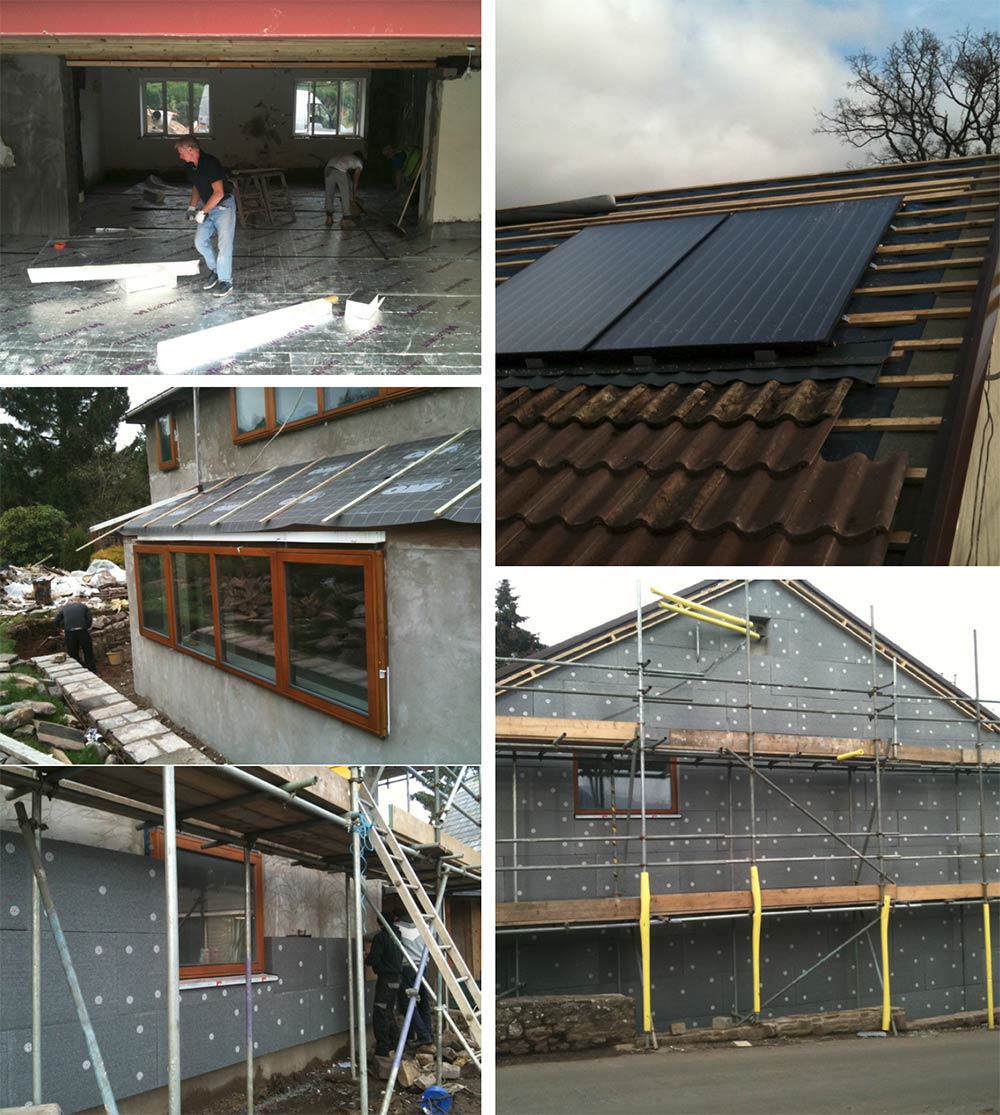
(441, 948)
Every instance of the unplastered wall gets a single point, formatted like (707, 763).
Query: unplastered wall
(87, 83)
(427, 414)
(432, 598)
(556, 862)
(112, 908)
(457, 176)
(702, 970)
(801, 648)
(252, 120)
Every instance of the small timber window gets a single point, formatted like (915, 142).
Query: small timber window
(211, 908)
(175, 108)
(601, 786)
(330, 108)
(166, 442)
(309, 624)
(262, 411)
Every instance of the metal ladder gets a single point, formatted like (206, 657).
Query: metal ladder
(433, 931)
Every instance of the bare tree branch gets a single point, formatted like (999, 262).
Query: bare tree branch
(925, 99)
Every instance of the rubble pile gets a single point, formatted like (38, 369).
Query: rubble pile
(35, 589)
(417, 1071)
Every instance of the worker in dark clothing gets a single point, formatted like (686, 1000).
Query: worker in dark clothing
(213, 208)
(385, 958)
(75, 619)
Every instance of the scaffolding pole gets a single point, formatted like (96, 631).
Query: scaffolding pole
(36, 955)
(45, 893)
(987, 946)
(248, 939)
(357, 774)
(644, 942)
(173, 943)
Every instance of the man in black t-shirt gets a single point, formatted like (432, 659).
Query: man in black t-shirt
(76, 621)
(213, 207)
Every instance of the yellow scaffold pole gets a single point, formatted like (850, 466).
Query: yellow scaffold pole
(989, 965)
(677, 610)
(647, 1008)
(755, 890)
(886, 1008)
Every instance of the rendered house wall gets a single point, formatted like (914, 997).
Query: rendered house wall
(112, 908)
(432, 585)
(433, 412)
(804, 647)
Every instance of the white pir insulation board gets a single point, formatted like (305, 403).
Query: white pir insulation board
(181, 354)
(101, 272)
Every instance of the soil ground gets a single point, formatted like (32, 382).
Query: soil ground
(925, 1073)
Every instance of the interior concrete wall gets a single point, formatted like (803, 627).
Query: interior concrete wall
(437, 411)
(432, 594)
(113, 911)
(253, 116)
(39, 195)
(88, 93)
(458, 179)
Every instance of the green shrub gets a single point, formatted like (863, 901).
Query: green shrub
(69, 558)
(32, 534)
(110, 553)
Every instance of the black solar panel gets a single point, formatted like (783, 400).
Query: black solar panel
(565, 300)
(765, 277)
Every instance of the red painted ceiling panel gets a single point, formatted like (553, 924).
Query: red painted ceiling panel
(233, 19)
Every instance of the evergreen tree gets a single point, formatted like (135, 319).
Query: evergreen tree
(513, 640)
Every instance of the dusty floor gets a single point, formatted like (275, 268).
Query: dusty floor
(914, 1074)
(430, 322)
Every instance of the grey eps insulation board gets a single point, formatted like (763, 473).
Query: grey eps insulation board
(765, 277)
(573, 293)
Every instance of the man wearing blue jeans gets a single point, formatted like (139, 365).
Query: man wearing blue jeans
(211, 186)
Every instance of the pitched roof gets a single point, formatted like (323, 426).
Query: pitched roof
(841, 452)
(430, 480)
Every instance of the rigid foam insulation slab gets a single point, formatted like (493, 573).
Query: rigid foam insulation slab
(155, 279)
(104, 271)
(182, 354)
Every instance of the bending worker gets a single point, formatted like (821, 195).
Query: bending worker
(343, 172)
(76, 620)
(385, 958)
(213, 207)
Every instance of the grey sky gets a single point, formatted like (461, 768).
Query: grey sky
(929, 612)
(618, 96)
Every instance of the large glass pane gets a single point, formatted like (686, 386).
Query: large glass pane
(324, 108)
(246, 614)
(166, 442)
(153, 107)
(334, 397)
(251, 413)
(349, 107)
(193, 602)
(293, 403)
(326, 632)
(153, 592)
(210, 909)
(179, 107)
(202, 110)
(604, 784)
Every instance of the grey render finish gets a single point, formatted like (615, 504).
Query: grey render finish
(427, 414)
(801, 646)
(112, 908)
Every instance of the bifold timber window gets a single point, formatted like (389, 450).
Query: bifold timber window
(262, 411)
(166, 442)
(601, 786)
(211, 910)
(330, 108)
(309, 624)
(175, 108)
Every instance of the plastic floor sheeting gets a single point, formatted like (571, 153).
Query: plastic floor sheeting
(429, 324)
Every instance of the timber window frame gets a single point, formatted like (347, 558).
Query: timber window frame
(323, 412)
(666, 765)
(166, 463)
(197, 127)
(307, 88)
(280, 561)
(193, 844)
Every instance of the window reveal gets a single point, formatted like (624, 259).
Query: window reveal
(602, 786)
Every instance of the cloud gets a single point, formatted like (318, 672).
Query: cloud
(624, 95)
